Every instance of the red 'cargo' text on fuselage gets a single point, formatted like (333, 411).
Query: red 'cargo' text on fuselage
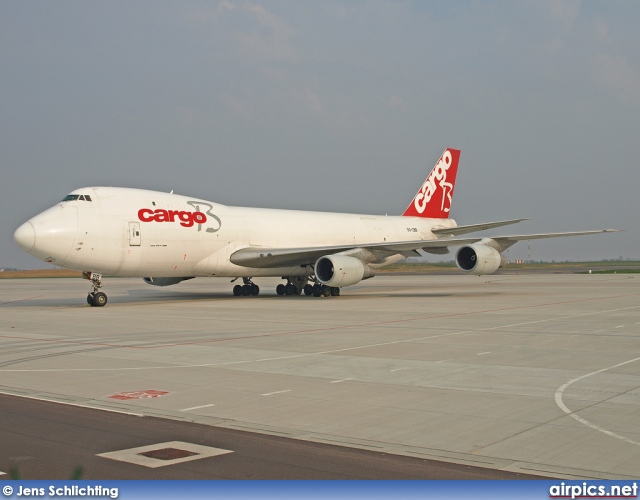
(187, 219)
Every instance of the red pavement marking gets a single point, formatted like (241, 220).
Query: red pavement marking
(148, 394)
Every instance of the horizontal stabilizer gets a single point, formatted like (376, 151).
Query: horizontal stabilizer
(454, 231)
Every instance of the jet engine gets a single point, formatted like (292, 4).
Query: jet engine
(479, 259)
(164, 281)
(341, 270)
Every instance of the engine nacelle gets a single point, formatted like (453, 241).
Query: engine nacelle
(341, 270)
(479, 259)
(164, 281)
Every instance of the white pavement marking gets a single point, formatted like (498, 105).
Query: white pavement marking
(134, 455)
(564, 408)
(341, 380)
(276, 392)
(483, 353)
(398, 369)
(2, 473)
(197, 407)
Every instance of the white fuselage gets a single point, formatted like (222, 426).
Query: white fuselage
(133, 232)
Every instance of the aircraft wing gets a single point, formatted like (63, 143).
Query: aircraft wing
(505, 242)
(261, 257)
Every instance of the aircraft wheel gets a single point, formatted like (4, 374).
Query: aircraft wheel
(326, 290)
(317, 291)
(335, 291)
(99, 299)
(90, 299)
(290, 289)
(237, 290)
(280, 289)
(246, 290)
(308, 289)
(255, 290)
(297, 290)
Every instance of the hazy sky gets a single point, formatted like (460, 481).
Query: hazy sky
(330, 105)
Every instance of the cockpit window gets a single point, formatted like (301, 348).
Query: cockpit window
(74, 197)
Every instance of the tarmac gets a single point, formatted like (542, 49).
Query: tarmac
(527, 373)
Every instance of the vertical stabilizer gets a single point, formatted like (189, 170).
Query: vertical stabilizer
(434, 197)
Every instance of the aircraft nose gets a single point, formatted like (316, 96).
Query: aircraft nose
(49, 236)
(25, 236)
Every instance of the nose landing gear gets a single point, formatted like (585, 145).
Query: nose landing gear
(95, 298)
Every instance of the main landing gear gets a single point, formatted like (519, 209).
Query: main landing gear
(288, 289)
(249, 288)
(95, 298)
(320, 290)
(295, 286)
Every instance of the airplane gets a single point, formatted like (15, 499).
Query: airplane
(166, 238)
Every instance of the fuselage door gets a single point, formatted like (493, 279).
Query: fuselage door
(134, 234)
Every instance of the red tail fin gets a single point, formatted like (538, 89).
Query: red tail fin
(434, 198)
